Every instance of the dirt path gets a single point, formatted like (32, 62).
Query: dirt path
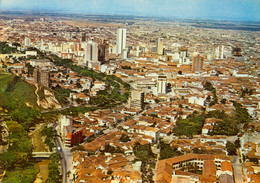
(36, 93)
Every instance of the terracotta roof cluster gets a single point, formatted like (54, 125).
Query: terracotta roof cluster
(165, 171)
(104, 168)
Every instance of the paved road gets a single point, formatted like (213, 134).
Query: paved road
(66, 160)
(63, 160)
(237, 167)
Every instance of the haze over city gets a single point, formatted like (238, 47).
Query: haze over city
(212, 9)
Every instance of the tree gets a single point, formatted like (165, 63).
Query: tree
(143, 152)
(168, 152)
(54, 172)
(112, 149)
(189, 126)
(231, 148)
(20, 148)
(208, 86)
(124, 138)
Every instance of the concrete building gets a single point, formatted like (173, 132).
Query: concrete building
(103, 51)
(64, 121)
(197, 63)
(72, 136)
(83, 37)
(219, 52)
(160, 46)
(121, 41)
(91, 54)
(161, 84)
(183, 56)
(212, 168)
(136, 99)
(27, 41)
(41, 77)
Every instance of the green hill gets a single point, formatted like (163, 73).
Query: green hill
(18, 97)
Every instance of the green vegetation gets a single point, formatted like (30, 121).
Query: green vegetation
(143, 152)
(246, 91)
(54, 172)
(124, 138)
(228, 125)
(5, 49)
(126, 67)
(193, 124)
(208, 86)
(167, 152)
(112, 149)
(30, 69)
(61, 95)
(231, 148)
(199, 151)
(24, 175)
(20, 148)
(73, 111)
(18, 97)
(242, 115)
(17, 160)
(190, 126)
(48, 132)
(115, 85)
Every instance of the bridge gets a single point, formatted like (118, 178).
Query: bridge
(41, 154)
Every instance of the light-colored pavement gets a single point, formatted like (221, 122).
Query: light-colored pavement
(237, 167)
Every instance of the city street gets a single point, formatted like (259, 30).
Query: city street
(237, 167)
(66, 160)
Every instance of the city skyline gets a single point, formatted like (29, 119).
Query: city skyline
(213, 9)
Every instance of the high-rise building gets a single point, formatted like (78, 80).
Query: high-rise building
(137, 99)
(121, 41)
(197, 63)
(27, 41)
(91, 54)
(161, 84)
(219, 52)
(41, 77)
(183, 51)
(103, 51)
(83, 37)
(160, 46)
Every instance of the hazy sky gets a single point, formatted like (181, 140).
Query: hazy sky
(224, 9)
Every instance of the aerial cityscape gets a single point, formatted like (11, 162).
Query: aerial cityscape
(135, 91)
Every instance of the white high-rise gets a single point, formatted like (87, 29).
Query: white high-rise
(160, 46)
(121, 41)
(27, 41)
(161, 84)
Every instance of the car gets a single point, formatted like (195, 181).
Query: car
(59, 149)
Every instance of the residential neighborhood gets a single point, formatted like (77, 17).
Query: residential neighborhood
(142, 101)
